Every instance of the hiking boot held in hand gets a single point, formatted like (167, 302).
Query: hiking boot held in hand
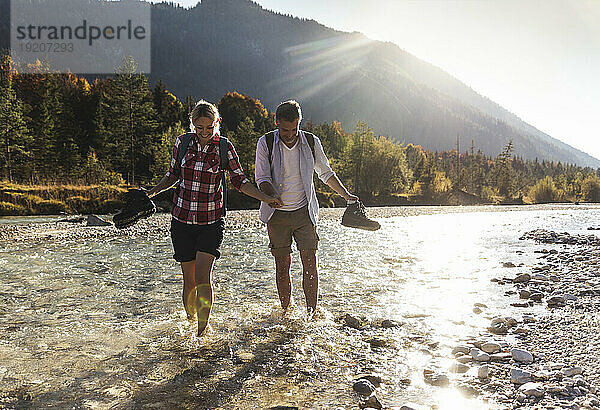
(137, 206)
(355, 217)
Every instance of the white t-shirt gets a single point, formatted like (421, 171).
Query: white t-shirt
(292, 195)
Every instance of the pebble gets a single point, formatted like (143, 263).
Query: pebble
(532, 389)
(363, 387)
(491, 347)
(483, 372)
(519, 376)
(521, 356)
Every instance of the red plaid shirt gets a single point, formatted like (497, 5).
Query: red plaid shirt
(198, 197)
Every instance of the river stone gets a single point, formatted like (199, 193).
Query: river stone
(501, 357)
(477, 310)
(556, 300)
(479, 356)
(363, 387)
(372, 403)
(389, 324)
(532, 389)
(522, 278)
(518, 376)
(435, 379)
(93, 220)
(524, 294)
(378, 342)
(373, 378)
(464, 358)
(508, 265)
(540, 277)
(457, 367)
(461, 349)
(572, 371)
(491, 347)
(536, 296)
(521, 355)
(483, 372)
(352, 321)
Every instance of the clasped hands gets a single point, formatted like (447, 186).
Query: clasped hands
(274, 202)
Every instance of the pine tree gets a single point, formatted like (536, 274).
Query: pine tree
(128, 128)
(14, 138)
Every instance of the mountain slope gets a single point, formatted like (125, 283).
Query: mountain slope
(236, 45)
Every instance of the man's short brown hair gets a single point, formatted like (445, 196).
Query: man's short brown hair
(288, 111)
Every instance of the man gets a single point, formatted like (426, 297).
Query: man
(285, 161)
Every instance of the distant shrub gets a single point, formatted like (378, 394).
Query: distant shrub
(590, 189)
(544, 191)
(49, 207)
(8, 209)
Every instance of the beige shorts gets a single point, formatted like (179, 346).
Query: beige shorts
(284, 225)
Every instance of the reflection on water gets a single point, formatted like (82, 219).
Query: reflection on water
(98, 323)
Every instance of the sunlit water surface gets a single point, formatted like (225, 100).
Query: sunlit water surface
(99, 323)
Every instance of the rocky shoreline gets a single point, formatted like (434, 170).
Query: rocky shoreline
(548, 360)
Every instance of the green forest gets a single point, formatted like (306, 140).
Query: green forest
(91, 140)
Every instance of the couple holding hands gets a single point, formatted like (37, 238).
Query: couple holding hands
(286, 159)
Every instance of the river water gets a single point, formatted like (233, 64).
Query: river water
(99, 323)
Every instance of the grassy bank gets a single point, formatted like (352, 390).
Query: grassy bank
(58, 199)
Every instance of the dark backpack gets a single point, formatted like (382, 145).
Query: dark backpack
(270, 137)
(223, 146)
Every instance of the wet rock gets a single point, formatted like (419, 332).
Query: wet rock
(477, 310)
(501, 357)
(94, 220)
(371, 403)
(464, 359)
(522, 278)
(572, 371)
(479, 356)
(389, 324)
(521, 355)
(374, 379)
(518, 376)
(536, 296)
(508, 265)
(532, 389)
(363, 387)
(480, 305)
(524, 294)
(352, 321)
(378, 342)
(462, 349)
(467, 390)
(483, 372)
(556, 301)
(435, 379)
(491, 347)
(457, 367)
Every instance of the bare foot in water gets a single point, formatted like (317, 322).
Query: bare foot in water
(203, 330)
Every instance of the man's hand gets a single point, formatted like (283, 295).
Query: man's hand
(274, 202)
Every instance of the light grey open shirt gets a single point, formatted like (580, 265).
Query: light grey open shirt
(274, 173)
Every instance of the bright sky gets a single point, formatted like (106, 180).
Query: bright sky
(540, 59)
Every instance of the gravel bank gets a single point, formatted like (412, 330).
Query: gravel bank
(548, 360)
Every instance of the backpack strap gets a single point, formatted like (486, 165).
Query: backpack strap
(223, 153)
(270, 137)
(185, 142)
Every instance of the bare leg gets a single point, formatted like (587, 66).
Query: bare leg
(282, 276)
(310, 278)
(204, 293)
(189, 288)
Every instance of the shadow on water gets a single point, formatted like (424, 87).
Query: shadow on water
(202, 377)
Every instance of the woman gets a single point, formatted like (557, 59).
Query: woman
(197, 212)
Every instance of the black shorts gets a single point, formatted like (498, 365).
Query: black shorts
(190, 238)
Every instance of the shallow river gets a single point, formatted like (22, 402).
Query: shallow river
(99, 323)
